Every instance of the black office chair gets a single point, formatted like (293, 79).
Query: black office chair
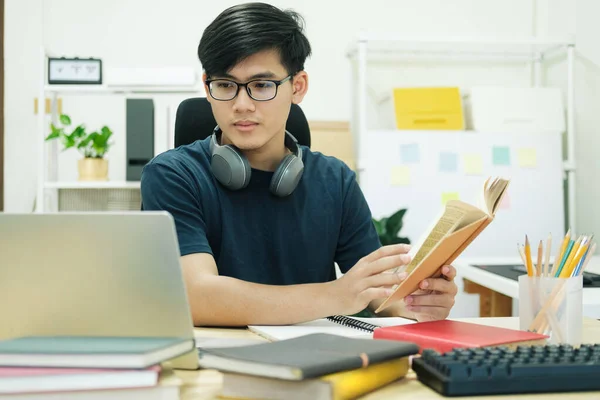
(194, 120)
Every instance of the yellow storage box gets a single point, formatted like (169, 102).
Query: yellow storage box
(429, 108)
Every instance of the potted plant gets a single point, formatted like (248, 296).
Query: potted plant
(93, 146)
(388, 228)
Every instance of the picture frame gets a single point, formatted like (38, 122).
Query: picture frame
(74, 71)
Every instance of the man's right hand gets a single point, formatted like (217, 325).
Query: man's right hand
(369, 280)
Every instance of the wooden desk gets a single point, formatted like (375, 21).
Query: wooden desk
(205, 384)
(496, 293)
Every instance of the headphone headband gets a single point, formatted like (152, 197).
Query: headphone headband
(232, 169)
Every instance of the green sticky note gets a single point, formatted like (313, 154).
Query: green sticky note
(447, 196)
(527, 158)
(501, 155)
(400, 176)
(473, 164)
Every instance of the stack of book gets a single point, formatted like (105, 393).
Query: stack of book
(318, 366)
(68, 367)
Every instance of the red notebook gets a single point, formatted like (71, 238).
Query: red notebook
(444, 335)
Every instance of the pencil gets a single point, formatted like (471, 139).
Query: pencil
(560, 253)
(522, 254)
(528, 257)
(564, 258)
(538, 267)
(548, 249)
(587, 259)
(565, 272)
(582, 251)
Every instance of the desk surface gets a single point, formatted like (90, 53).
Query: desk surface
(205, 384)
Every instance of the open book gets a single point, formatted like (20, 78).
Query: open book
(457, 226)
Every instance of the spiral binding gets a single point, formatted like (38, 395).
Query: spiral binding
(352, 323)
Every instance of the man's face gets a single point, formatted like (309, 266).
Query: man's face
(250, 124)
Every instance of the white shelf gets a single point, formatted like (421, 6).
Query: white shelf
(93, 185)
(518, 48)
(103, 89)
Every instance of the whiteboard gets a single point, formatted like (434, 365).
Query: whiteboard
(418, 169)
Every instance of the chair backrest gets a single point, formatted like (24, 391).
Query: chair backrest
(195, 120)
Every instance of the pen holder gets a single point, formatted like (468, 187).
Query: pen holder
(552, 306)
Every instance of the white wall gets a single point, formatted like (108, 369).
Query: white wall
(580, 18)
(143, 33)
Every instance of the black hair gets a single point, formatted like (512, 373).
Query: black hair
(245, 29)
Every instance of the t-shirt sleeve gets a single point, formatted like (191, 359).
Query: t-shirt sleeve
(358, 236)
(162, 188)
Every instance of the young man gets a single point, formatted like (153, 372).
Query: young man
(259, 224)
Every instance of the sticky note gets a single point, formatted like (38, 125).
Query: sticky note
(400, 176)
(448, 162)
(527, 158)
(501, 155)
(505, 202)
(409, 153)
(447, 196)
(473, 164)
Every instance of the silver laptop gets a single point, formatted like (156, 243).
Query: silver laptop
(93, 274)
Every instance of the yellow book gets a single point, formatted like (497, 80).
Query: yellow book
(429, 108)
(339, 386)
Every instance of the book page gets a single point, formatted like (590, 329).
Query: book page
(492, 194)
(456, 215)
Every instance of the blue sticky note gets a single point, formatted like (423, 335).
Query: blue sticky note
(501, 155)
(409, 153)
(448, 162)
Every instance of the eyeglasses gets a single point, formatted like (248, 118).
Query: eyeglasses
(258, 89)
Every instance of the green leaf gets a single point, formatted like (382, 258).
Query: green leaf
(378, 226)
(397, 240)
(78, 132)
(53, 135)
(394, 222)
(65, 119)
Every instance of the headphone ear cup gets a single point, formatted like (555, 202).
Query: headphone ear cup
(230, 167)
(287, 176)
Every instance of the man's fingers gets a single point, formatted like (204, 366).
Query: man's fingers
(438, 285)
(384, 279)
(449, 272)
(376, 293)
(386, 251)
(436, 300)
(386, 263)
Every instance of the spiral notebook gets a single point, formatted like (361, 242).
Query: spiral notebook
(335, 325)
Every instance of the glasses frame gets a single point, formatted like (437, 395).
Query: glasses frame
(240, 85)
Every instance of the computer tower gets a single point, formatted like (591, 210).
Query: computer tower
(140, 136)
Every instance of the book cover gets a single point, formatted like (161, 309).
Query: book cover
(30, 380)
(304, 357)
(91, 351)
(457, 226)
(338, 386)
(444, 335)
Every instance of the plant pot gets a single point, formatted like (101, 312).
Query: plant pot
(93, 169)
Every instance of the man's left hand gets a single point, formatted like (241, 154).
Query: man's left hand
(435, 297)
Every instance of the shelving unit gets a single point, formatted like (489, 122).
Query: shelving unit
(47, 161)
(398, 48)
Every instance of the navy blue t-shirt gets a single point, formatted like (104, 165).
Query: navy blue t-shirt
(254, 235)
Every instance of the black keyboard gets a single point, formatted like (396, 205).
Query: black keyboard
(500, 370)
